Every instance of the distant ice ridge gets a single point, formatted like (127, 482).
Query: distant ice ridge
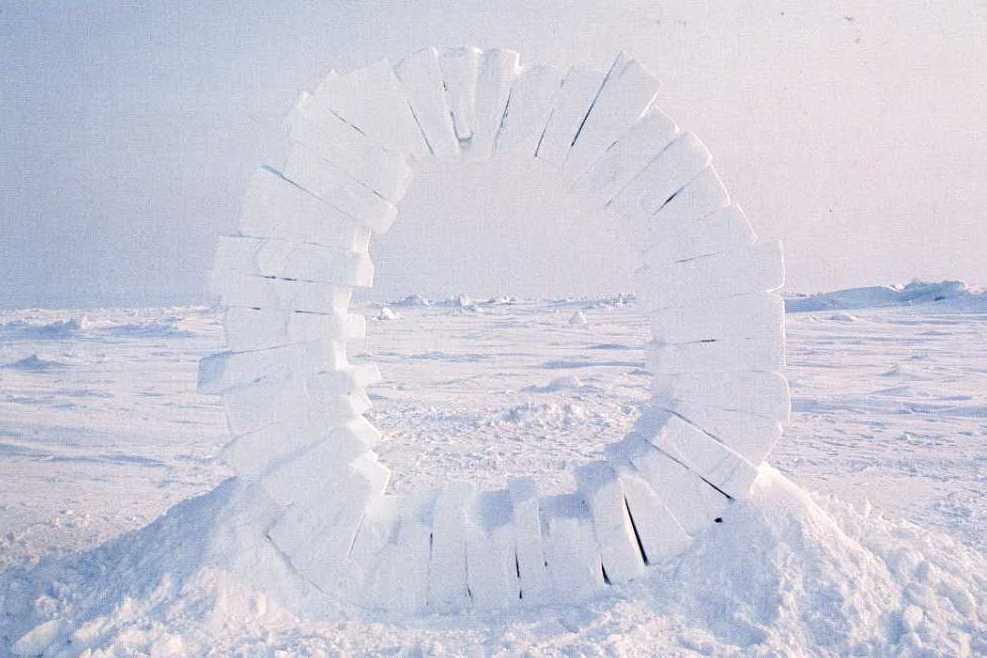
(953, 294)
(795, 575)
(33, 362)
(99, 323)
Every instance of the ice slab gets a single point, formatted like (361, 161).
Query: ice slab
(372, 100)
(300, 475)
(316, 126)
(460, 70)
(448, 589)
(659, 533)
(253, 406)
(491, 563)
(317, 534)
(763, 394)
(396, 569)
(221, 372)
(498, 69)
(763, 352)
(328, 181)
(752, 437)
(571, 551)
(670, 171)
(627, 92)
(536, 588)
(529, 106)
(249, 408)
(284, 294)
(627, 157)
(274, 207)
(758, 268)
(692, 501)
(256, 328)
(622, 556)
(702, 196)
(744, 316)
(421, 79)
(726, 229)
(711, 460)
(251, 455)
(344, 381)
(292, 260)
(574, 100)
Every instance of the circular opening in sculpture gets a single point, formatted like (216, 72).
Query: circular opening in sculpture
(533, 372)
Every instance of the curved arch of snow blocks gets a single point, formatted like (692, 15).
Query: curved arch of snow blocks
(295, 404)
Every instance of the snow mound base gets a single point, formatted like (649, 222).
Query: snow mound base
(796, 576)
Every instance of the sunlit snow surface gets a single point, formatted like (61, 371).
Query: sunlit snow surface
(101, 431)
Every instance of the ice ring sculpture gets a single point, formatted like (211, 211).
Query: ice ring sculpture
(295, 404)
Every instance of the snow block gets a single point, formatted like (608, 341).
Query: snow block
(251, 455)
(764, 352)
(396, 570)
(291, 260)
(759, 268)
(536, 587)
(573, 102)
(705, 456)
(756, 315)
(317, 534)
(460, 70)
(692, 501)
(703, 195)
(623, 557)
(529, 106)
(345, 381)
(751, 437)
(571, 551)
(403, 582)
(310, 170)
(726, 229)
(646, 193)
(763, 394)
(253, 406)
(491, 562)
(300, 475)
(655, 527)
(374, 102)
(249, 408)
(317, 127)
(628, 90)
(256, 328)
(221, 372)
(421, 79)
(627, 157)
(498, 69)
(448, 585)
(245, 290)
(274, 207)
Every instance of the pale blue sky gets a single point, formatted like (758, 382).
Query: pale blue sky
(855, 132)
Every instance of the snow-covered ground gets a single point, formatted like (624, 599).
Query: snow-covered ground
(101, 431)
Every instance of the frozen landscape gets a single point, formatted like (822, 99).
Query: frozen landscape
(296, 467)
(102, 432)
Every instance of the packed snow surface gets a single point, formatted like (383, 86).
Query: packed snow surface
(102, 433)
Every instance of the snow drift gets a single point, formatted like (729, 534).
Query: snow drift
(794, 576)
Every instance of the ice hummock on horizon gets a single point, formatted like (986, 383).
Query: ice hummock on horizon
(949, 294)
